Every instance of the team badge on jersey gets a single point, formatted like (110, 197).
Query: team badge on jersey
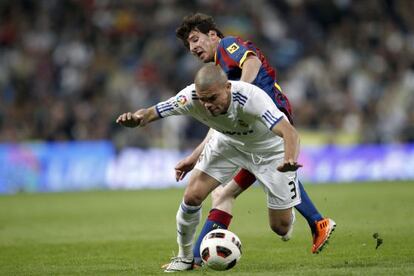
(181, 100)
(232, 48)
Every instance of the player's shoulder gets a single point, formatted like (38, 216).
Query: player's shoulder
(246, 90)
(242, 91)
(231, 43)
(228, 40)
(244, 87)
(189, 90)
(250, 98)
(186, 96)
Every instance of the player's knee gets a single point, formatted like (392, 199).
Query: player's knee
(278, 230)
(192, 198)
(280, 227)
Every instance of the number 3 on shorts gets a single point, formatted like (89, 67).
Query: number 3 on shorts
(293, 190)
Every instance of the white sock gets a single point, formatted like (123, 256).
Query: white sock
(188, 217)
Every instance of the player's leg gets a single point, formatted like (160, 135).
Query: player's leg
(224, 198)
(217, 218)
(280, 203)
(282, 194)
(211, 170)
(307, 209)
(321, 227)
(222, 204)
(188, 217)
(281, 220)
(189, 212)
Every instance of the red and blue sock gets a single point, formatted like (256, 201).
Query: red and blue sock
(216, 219)
(307, 209)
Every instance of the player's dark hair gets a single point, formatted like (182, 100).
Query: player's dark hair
(198, 21)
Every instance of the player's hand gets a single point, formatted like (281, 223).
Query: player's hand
(289, 166)
(129, 119)
(183, 167)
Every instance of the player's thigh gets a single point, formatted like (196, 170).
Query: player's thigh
(211, 170)
(216, 165)
(199, 187)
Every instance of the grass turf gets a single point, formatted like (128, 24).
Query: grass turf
(133, 233)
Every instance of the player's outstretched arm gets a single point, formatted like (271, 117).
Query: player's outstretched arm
(292, 145)
(138, 118)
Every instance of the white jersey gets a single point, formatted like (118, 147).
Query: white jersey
(247, 123)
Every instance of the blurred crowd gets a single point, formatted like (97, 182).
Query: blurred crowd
(69, 67)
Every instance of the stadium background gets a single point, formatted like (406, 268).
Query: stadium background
(68, 68)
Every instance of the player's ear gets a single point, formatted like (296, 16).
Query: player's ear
(212, 34)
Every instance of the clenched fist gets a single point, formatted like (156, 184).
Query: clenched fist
(129, 119)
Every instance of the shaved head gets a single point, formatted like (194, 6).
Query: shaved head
(210, 75)
(213, 89)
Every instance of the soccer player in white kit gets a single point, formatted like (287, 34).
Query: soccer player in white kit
(250, 132)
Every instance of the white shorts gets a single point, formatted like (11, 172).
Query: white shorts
(222, 161)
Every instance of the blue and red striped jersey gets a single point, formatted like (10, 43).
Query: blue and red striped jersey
(231, 54)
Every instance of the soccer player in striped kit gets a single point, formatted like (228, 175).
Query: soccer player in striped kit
(240, 60)
(247, 130)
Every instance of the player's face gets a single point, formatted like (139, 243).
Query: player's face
(216, 99)
(202, 45)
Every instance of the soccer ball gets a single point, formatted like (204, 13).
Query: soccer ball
(220, 249)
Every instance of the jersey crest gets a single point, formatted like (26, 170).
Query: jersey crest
(181, 100)
(232, 48)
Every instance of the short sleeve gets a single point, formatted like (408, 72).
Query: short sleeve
(235, 49)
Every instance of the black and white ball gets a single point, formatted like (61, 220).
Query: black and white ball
(220, 249)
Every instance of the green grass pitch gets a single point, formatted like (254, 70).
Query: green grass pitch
(133, 233)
